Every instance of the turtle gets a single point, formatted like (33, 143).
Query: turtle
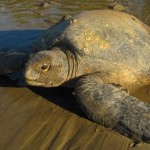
(15, 61)
(104, 56)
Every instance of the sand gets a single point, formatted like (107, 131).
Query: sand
(50, 119)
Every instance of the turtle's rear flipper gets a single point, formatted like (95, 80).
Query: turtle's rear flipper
(110, 105)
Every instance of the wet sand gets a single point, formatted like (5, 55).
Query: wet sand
(50, 119)
(43, 119)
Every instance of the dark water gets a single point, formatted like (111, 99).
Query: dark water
(21, 21)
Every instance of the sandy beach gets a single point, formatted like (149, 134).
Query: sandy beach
(50, 119)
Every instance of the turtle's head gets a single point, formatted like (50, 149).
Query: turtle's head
(47, 68)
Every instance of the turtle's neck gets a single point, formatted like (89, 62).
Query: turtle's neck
(73, 68)
(72, 65)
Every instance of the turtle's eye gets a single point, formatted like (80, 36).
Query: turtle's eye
(45, 67)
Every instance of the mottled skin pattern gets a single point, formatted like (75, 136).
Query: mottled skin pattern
(111, 106)
(102, 54)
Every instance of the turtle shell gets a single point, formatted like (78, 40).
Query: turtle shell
(105, 34)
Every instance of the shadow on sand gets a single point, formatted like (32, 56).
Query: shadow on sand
(61, 96)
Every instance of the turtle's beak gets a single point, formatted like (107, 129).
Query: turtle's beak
(31, 75)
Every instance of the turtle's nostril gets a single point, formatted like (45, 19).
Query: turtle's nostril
(51, 83)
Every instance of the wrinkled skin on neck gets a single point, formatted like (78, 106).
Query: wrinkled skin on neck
(49, 68)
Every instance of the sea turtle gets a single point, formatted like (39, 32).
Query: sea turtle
(104, 56)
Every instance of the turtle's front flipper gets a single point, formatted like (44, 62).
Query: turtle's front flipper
(12, 62)
(111, 106)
